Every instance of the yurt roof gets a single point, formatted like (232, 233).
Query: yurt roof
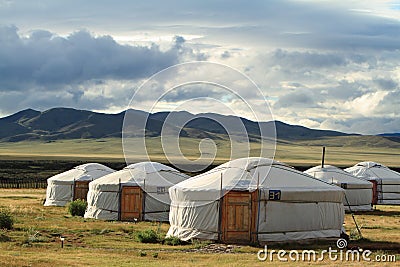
(149, 173)
(84, 172)
(332, 174)
(150, 167)
(372, 170)
(250, 173)
(369, 164)
(250, 163)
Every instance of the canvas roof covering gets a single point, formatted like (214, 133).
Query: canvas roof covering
(388, 181)
(60, 187)
(308, 207)
(104, 194)
(358, 192)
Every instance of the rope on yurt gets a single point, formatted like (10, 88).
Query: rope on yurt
(352, 215)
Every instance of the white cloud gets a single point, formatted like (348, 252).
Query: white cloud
(367, 104)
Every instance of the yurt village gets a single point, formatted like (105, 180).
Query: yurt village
(243, 201)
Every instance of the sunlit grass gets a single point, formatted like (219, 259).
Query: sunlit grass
(35, 239)
(342, 151)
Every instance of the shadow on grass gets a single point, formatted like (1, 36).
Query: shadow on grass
(378, 213)
(374, 245)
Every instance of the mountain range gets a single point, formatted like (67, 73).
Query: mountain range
(68, 123)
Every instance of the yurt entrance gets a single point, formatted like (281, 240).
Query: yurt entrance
(376, 191)
(239, 214)
(81, 189)
(131, 203)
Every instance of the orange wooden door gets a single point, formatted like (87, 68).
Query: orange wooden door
(131, 203)
(238, 217)
(81, 189)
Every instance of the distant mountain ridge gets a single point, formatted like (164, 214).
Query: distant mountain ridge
(390, 134)
(68, 123)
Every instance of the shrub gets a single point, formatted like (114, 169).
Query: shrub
(33, 236)
(148, 236)
(77, 207)
(142, 254)
(6, 219)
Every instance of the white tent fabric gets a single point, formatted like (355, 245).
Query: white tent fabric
(308, 207)
(388, 181)
(104, 194)
(358, 192)
(60, 188)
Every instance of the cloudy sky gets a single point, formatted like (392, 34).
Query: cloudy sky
(323, 64)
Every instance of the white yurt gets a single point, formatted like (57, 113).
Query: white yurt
(137, 192)
(254, 200)
(73, 184)
(387, 181)
(358, 192)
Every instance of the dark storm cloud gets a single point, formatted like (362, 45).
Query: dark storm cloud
(296, 99)
(189, 92)
(386, 83)
(327, 25)
(390, 104)
(303, 60)
(45, 59)
(345, 90)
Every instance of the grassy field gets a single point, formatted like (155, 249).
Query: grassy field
(34, 241)
(41, 160)
(343, 151)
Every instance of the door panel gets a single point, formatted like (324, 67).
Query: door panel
(131, 203)
(238, 217)
(81, 189)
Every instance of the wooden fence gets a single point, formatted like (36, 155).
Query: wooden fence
(22, 183)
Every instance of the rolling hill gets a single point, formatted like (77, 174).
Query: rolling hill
(68, 123)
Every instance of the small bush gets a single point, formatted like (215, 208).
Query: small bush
(6, 219)
(33, 236)
(77, 207)
(142, 254)
(148, 236)
(173, 241)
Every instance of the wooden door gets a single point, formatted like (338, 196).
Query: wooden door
(81, 189)
(131, 203)
(239, 212)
